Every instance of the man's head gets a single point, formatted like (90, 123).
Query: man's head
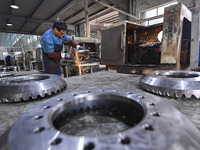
(59, 28)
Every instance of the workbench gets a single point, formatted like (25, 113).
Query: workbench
(68, 67)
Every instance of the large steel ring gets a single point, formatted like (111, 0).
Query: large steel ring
(106, 119)
(172, 83)
(29, 87)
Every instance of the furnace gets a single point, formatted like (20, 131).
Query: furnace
(134, 48)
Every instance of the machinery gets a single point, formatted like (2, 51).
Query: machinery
(133, 48)
(78, 62)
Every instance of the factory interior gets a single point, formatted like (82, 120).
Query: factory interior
(128, 75)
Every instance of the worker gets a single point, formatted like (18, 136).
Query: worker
(52, 45)
(9, 60)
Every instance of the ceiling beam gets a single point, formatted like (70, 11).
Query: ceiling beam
(64, 9)
(87, 31)
(30, 16)
(81, 15)
(60, 12)
(39, 21)
(81, 12)
(116, 9)
(17, 32)
(96, 15)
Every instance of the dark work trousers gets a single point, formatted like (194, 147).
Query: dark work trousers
(52, 66)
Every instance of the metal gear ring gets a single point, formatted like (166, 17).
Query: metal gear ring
(172, 83)
(103, 119)
(28, 87)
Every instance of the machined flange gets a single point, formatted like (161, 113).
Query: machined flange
(29, 87)
(172, 83)
(103, 119)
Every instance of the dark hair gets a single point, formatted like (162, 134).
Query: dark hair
(60, 25)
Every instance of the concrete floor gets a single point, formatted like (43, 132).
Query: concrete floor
(103, 79)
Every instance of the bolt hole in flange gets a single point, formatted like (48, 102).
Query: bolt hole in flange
(38, 129)
(89, 146)
(97, 115)
(125, 140)
(56, 141)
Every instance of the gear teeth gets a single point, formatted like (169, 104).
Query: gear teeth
(171, 94)
(160, 93)
(197, 95)
(42, 94)
(34, 96)
(145, 87)
(25, 98)
(178, 95)
(81, 110)
(14, 100)
(4, 100)
(156, 91)
(49, 93)
(94, 108)
(88, 109)
(167, 93)
(187, 95)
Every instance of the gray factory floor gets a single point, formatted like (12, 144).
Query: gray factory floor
(101, 80)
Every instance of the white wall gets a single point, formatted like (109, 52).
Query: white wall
(140, 5)
(2, 50)
(28, 42)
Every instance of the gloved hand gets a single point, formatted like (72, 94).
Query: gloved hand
(78, 47)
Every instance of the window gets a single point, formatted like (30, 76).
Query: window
(154, 12)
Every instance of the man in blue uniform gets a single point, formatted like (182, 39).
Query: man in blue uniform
(9, 60)
(52, 45)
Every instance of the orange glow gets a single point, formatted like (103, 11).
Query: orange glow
(130, 42)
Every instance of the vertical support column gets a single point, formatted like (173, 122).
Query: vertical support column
(87, 32)
(195, 38)
(131, 10)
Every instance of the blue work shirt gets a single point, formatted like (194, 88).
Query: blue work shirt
(49, 39)
(8, 57)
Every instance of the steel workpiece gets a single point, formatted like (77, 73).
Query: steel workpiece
(172, 83)
(29, 87)
(10, 68)
(137, 120)
(5, 74)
